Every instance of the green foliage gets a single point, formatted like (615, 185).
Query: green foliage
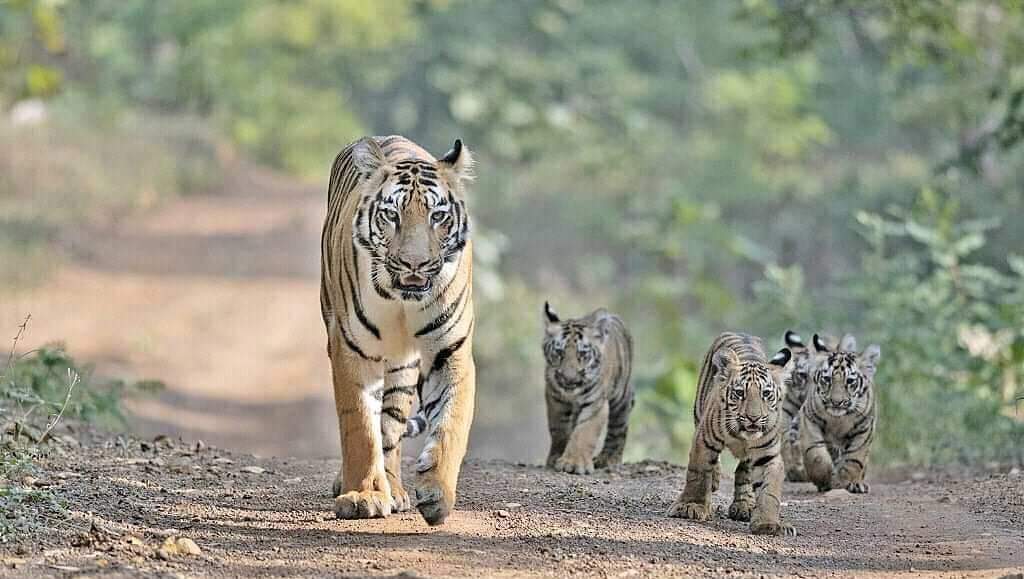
(695, 166)
(950, 328)
(50, 380)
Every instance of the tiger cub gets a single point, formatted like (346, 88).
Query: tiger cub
(837, 422)
(796, 393)
(588, 390)
(738, 407)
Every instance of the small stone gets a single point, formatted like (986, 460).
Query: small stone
(223, 460)
(199, 446)
(512, 505)
(502, 514)
(254, 469)
(292, 481)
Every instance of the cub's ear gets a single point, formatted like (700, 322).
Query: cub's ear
(793, 339)
(457, 165)
(848, 343)
(819, 344)
(781, 358)
(723, 359)
(869, 360)
(368, 156)
(550, 316)
(602, 321)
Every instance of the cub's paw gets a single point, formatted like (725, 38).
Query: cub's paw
(692, 511)
(400, 501)
(574, 465)
(432, 504)
(740, 510)
(858, 487)
(776, 529)
(796, 474)
(362, 505)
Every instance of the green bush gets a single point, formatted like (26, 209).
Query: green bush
(951, 330)
(49, 380)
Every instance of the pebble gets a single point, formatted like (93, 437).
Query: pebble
(502, 513)
(254, 469)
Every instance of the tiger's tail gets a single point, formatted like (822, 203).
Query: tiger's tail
(415, 425)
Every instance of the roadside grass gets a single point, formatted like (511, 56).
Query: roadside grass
(38, 389)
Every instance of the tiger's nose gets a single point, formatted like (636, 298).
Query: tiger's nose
(412, 263)
(749, 420)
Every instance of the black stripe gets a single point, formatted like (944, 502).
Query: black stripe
(757, 485)
(770, 442)
(357, 303)
(409, 366)
(394, 413)
(410, 390)
(764, 460)
(857, 462)
(446, 314)
(442, 356)
(354, 347)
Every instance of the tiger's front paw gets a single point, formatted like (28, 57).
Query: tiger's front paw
(776, 529)
(574, 465)
(741, 510)
(692, 511)
(363, 505)
(858, 487)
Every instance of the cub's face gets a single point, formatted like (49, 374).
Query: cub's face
(843, 378)
(574, 348)
(412, 218)
(751, 392)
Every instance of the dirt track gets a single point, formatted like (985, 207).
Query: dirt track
(178, 295)
(512, 520)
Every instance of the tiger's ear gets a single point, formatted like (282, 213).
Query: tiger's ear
(367, 156)
(550, 317)
(602, 322)
(793, 339)
(782, 358)
(457, 165)
(869, 360)
(723, 359)
(848, 343)
(819, 344)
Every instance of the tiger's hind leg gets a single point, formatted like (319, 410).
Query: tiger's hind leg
(701, 477)
(615, 437)
(399, 391)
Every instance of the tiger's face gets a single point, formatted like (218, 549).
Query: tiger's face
(412, 220)
(843, 378)
(574, 348)
(751, 392)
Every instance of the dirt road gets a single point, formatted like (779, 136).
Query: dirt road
(271, 517)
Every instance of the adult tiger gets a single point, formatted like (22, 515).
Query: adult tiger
(587, 388)
(397, 300)
(738, 397)
(837, 422)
